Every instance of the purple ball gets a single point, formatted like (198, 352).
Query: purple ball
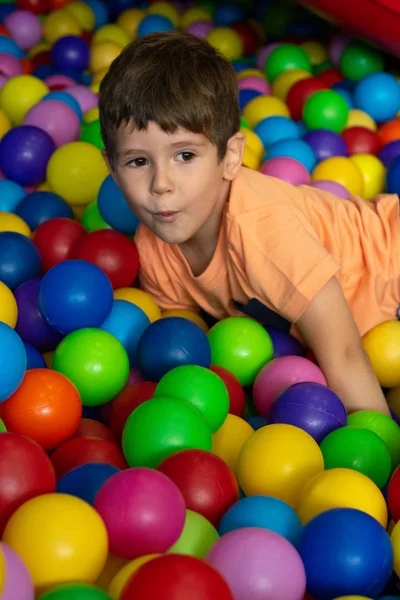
(332, 187)
(310, 406)
(285, 344)
(18, 583)
(200, 28)
(84, 96)
(31, 326)
(286, 168)
(326, 143)
(389, 152)
(25, 28)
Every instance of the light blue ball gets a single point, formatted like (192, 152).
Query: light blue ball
(297, 149)
(100, 11)
(114, 208)
(378, 95)
(154, 23)
(276, 129)
(11, 194)
(13, 361)
(127, 323)
(8, 46)
(266, 512)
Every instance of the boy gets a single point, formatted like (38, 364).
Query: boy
(220, 237)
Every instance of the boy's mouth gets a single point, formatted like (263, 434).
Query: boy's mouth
(168, 215)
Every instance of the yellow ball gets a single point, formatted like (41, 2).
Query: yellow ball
(48, 357)
(140, 299)
(316, 52)
(42, 47)
(390, 527)
(82, 14)
(262, 107)
(60, 538)
(111, 33)
(103, 54)
(373, 172)
(118, 582)
(8, 306)
(359, 118)
(194, 14)
(395, 539)
(91, 115)
(342, 170)
(129, 21)
(187, 314)
(58, 24)
(76, 171)
(11, 222)
(253, 142)
(226, 41)
(229, 440)
(43, 187)
(19, 94)
(393, 400)
(341, 488)
(382, 344)
(251, 73)
(5, 123)
(2, 571)
(113, 565)
(96, 80)
(250, 160)
(95, 87)
(282, 85)
(166, 10)
(278, 460)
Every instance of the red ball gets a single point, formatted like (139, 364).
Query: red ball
(237, 398)
(25, 472)
(393, 496)
(26, 65)
(176, 577)
(83, 450)
(56, 4)
(249, 36)
(55, 240)
(93, 428)
(41, 59)
(205, 480)
(125, 403)
(113, 252)
(330, 76)
(360, 140)
(4, 31)
(38, 7)
(300, 92)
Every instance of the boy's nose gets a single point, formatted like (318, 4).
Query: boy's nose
(161, 182)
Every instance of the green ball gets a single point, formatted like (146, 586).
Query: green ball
(92, 219)
(91, 133)
(197, 538)
(384, 426)
(324, 66)
(359, 59)
(161, 426)
(359, 449)
(286, 58)
(3, 428)
(244, 123)
(200, 387)
(75, 591)
(326, 110)
(242, 346)
(96, 363)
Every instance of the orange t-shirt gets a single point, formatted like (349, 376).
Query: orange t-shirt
(281, 244)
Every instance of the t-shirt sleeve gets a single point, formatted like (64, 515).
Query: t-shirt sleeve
(284, 261)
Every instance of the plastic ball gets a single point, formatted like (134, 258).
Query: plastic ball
(359, 118)
(197, 538)
(34, 358)
(85, 481)
(300, 93)
(69, 591)
(200, 29)
(38, 207)
(262, 107)
(285, 344)
(125, 403)
(55, 240)
(102, 55)
(12, 361)
(11, 223)
(80, 451)
(393, 177)
(287, 169)
(19, 259)
(9, 46)
(187, 314)
(361, 140)
(59, 24)
(359, 449)
(384, 426)
(60, 538)
(286, 80)
(226, 41)
(326, 110)
(129, 20)
(341, 488)
(389, 132)
(253, 560)
(141, 299)
(235, 390)
(92, 220)
(8, 306)
(278, 460)
(96, 362)
(19, 94)
(389, 152)
(342, 170)
(229, 440)
(17, 579)
(181, 424)
(378, 95)
(25, 28)
(82, 13)
(154, 23)
(57, 119)
(359, 60)
(111, 33)
(10, 66)
(326, 143)
(62, 96)
(76, 171)
(286, 58)
(90, 133)
(125, 573)
(381, 345)
(373, 172)
(100, 10)
(126, 322)
(299, 150)
(345, 551)
(11, 194)
(114, 208)
(276, 129)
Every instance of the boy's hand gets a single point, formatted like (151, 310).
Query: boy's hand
(330, 331)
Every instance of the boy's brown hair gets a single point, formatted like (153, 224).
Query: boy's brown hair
(176, 80)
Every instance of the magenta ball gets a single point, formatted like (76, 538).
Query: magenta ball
(57, 119)
(332, 187)
(259, 564)
(264, 53)
(279, 374)
(287, 169)
(200, 28)
(84, 96)
(255, 83)
(58, 80)
(143, 510)
(135, 376)
(10, 66)
(18, 583)
(337, 46)
(25, 28)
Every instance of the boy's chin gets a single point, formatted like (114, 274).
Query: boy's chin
(172, 237)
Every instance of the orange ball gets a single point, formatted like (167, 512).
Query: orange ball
(389, 132)
(46, 408)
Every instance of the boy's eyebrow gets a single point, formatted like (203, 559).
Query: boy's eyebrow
(173, 145)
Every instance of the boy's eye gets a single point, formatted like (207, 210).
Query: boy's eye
(137, 162)
(186, 156)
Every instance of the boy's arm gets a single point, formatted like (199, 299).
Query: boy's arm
(330, 331)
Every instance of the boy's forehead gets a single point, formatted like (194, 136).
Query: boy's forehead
(129, 135)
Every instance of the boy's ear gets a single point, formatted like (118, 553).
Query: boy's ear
(234, 155)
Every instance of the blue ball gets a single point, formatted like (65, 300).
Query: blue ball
(75, 294)
(34, 359)
(347, 97)
(6, 9)
(38, 207)
(345, 551)
(19, 259)
(43, 71)
(276, 129)
(100, 11)
(393, 177)
(154, 23)
(11, 194)
(169, 343)
(266, 512)
(71, 51)
(228, 14)
(8, 46)
(245, 96)
(297, 149)
(242, 65)
(114, 209)
(67, 99)
(127, 323)
(257, 421)
(13, 361)
(285, 344)
(378, 95)
(85, 481)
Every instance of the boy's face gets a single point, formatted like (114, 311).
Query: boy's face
(172, 182)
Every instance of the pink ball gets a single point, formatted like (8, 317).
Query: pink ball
(57, 119)
(258, 564)
(279, 374)
(59, 81)
(200, 28)
(255, 83)
(25, 28)
(143, 510)
(332, 187)
(84, 96)
(10, 66)
(18, 583)
(287, 169)
(3, 79)
(264, 53)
